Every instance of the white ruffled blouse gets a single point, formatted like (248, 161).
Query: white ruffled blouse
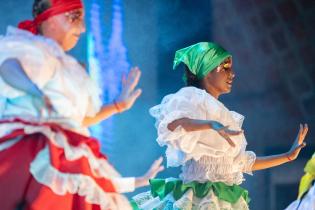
(71, 91)
(203, 155)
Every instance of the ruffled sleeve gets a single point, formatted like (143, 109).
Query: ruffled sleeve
(124, 184)
(34, 61)
(7, 91)
(190, 103)
(95, 102)
(183, 104)
(77, 73)
(245, 161)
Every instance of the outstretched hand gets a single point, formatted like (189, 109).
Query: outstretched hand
(225, 132)
(129, 93)
(298, 143)
(155, 168)
(189, 124)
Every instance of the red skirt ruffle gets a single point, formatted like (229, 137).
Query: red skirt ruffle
(19, 188)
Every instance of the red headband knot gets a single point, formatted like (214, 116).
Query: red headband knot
(57, 7)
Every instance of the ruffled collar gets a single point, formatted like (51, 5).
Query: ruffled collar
(79, 74)
(238, 118)
(50, 44)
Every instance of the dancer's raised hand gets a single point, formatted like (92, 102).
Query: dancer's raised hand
(155, 168)
(299, 143)
(129, 92)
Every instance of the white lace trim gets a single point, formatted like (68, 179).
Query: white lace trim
(188, 201)
(18, 34)
(248, 163)
(61, 183)
(100, 167)
(224, 169)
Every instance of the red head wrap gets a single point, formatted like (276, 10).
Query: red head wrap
(57, 7)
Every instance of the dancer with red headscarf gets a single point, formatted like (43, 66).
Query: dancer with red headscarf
(47, 102)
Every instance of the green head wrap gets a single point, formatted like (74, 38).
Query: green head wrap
(201, 58)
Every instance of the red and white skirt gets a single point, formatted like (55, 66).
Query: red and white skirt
(44, 166)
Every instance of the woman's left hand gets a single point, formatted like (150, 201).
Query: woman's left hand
(129, 93)
(298, 143)
(155, 168)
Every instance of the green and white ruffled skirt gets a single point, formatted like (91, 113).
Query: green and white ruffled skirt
(173, 194)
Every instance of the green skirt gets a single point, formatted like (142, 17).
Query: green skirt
(174, 194)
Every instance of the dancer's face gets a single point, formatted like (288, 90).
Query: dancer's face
(65, 28)
(219, 81)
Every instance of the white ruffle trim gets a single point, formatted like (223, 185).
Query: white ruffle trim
(99, 167)
(225, 169)
(188, 201)
(248, 161)
(62, 183)
(14, 34)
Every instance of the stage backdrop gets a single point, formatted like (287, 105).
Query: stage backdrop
(273, 47)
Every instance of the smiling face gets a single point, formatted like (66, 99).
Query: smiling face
(65, 28)
(220, 80)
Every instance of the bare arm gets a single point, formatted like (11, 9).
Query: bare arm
(155, 168)
(275, 160)
(270, 161)
(104, 113)
(13, 74)
(127, 98)
(191, 125)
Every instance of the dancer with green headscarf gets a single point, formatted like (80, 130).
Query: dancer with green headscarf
(205, 139)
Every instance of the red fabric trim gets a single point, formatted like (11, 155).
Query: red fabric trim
(74, 138)
(79, 166)
(57, 155)
(19, 188)
(14, 134)
(58, 7)
(14, 171)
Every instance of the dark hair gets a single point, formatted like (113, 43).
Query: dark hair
(40, 6)
(191, 79)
